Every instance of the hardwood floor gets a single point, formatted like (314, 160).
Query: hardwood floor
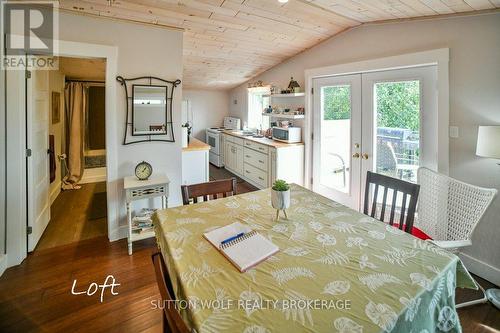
(36, 295)
(76, 215)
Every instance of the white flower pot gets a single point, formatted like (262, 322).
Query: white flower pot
(280, 199)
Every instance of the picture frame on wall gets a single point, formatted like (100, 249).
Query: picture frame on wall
(56, 107)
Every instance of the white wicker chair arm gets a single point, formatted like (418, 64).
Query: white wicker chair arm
(451, 244)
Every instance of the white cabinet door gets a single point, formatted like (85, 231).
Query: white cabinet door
(230, 153)
(272, 166)
(239, 159)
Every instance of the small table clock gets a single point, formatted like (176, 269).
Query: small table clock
(143, 170)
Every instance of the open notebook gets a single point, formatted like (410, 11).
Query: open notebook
(245, 251)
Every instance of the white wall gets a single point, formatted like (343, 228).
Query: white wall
(142, 51)
(474, 73)
(208, 108)
(56, 83)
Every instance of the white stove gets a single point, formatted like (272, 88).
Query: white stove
(214, 139)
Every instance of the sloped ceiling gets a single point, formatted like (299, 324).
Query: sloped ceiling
(227, 42)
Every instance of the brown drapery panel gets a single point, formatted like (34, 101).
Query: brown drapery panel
(75, 97)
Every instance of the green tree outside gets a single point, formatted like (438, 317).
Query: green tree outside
(398, 104)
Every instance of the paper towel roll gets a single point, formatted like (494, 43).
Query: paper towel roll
(184, 135)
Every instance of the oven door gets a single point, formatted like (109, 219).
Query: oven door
(214, 142)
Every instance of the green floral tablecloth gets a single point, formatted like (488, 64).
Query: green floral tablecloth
(337, 271)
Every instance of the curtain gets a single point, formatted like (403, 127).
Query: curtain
(75, 97)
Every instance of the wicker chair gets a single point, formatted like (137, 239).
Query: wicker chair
(449, 211)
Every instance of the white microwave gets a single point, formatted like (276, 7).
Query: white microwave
(289, 134)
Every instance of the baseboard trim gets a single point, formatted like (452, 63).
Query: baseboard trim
(55, 193)
(3, 263)
(117, 234)
(481, 269)
(92, 179)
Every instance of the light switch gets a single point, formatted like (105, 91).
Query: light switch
(454, 132)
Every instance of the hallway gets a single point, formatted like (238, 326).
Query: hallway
(76, 215)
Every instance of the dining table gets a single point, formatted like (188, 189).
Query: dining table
(337, 270)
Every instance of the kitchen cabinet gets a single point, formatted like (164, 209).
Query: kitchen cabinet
(261, 164)
(233, 157)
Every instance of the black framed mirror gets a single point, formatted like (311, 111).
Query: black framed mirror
(149, 110)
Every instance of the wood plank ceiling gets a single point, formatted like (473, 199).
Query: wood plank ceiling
(227, 42)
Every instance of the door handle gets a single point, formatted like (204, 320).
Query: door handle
(355, 155)
(364, 156)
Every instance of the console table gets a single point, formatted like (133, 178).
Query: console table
(135, 189)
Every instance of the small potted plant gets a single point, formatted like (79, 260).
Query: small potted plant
(280, 197)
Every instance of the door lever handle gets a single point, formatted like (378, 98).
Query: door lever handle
(355, 155)
(364, 156)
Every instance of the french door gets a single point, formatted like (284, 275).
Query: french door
(384, 121)
(337, 138)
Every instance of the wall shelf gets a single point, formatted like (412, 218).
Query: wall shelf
(300, 94)
(284, 116)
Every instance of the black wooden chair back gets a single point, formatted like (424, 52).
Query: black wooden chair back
(172, 320)
(208, 191)
(408, 190)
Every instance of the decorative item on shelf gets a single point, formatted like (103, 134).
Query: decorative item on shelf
(280, 197)
(143, 170)
(293, 86)
(146, 100)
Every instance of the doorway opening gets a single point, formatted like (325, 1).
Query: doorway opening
(76, 155)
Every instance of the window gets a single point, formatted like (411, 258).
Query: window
(258, 100)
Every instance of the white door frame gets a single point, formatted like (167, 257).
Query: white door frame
(439, 57)
(16, 183)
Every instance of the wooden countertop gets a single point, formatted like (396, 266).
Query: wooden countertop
(264, 141)
(195, 144)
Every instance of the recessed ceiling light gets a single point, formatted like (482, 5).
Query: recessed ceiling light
(283, 1)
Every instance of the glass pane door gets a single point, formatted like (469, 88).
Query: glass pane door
(397, 123)
(337, 131)
(336, 137)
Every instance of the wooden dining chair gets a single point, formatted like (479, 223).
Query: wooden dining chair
(208, 191)
(172, 320)
(406, 217)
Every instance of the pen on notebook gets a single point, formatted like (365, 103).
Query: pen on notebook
(232, 238)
